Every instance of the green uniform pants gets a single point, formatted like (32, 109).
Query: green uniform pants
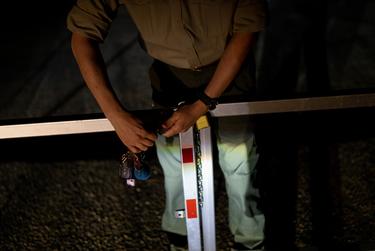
(237, 158)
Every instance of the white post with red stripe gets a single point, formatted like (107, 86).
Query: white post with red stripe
(189, 178)
(200, 215)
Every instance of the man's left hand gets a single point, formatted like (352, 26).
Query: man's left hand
(184, 118)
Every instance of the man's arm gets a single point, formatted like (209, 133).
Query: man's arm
(129, 129)
(228, 67)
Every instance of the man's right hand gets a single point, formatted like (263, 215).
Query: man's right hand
(93, 69)
(131, 132)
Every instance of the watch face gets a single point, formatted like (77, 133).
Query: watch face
(212, 106)
(209, 102)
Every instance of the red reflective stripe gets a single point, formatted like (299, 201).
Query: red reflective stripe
(191, 206)
(187, 155)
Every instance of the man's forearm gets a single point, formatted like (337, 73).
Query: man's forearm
(91, 63)
(230, 63)
(93, 70)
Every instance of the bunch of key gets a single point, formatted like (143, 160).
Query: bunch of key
(133, 167)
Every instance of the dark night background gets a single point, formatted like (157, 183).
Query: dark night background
(63, 193)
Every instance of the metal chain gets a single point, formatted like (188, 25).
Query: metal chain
(198, 162)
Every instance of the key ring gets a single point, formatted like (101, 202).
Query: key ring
(133, 167)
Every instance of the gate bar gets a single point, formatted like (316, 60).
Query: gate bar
(295, 105)
(222, 110)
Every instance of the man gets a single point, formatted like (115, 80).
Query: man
(201, 50)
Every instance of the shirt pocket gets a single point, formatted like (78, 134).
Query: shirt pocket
(142, 13)
(208, 16)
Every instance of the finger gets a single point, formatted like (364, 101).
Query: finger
(147, 143)
(134, 149)
(170, 122)
(139, 146)
(143, 144)
(171, 132)
(142, 147)
(150, 136)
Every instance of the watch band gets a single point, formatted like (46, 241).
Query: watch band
(208, 101)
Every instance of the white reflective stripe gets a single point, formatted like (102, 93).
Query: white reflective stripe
(189, 178)
(208, 209)
(222, 110)
(55, 128)
(295, 105)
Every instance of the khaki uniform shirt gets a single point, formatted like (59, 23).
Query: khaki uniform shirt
(183, 33)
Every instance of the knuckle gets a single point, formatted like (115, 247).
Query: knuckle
(132, 149)
(178, 128)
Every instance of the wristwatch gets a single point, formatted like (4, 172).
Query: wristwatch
(208, 101)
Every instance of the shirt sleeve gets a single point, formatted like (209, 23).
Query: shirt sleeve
(249, 16)
(92, 18)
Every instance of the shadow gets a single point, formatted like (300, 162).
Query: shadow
(294, 43)
(277, 168)
(72, 93)
(344, 34)
(294, 52)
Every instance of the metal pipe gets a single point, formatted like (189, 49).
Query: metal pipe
(222, 110)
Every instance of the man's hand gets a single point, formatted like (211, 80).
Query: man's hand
(131, 132)
(227, 69)
(184, 118)
(93, 69)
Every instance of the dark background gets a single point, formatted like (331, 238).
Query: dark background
(63, 192)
